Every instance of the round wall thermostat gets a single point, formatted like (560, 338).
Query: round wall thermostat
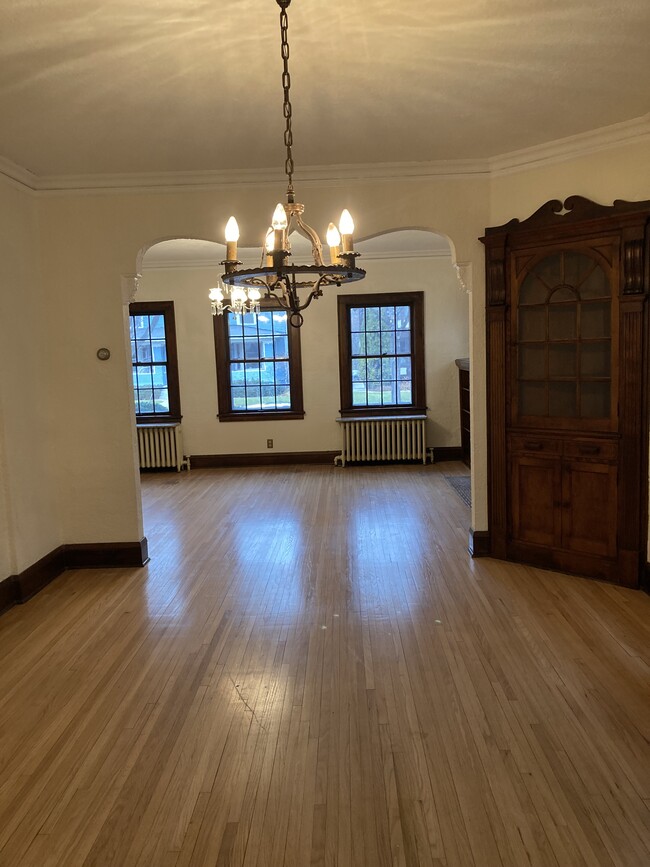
(103, 354)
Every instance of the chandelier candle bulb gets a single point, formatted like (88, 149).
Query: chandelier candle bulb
(238, 297)
(268, 246)
(216, 300)
(279, 223)
(346, 228)
(232, 236)
(333, 240)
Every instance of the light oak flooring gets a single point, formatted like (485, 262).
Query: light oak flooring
(311, 671)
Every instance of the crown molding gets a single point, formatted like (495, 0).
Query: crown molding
(582, 144)
(169, 182)
(184, 265)
(571, 147)
(406, 254)
(18, 175)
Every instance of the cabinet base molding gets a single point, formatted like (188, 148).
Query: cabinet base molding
(479, 543)
(17, 589)
(619, 571)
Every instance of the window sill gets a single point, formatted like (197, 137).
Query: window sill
(383, 412)
(254, 415)
(157, 419)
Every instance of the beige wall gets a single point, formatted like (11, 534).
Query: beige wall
(69, 451)
(621, 172)
(29, 513)
(446, 337)
(93, 240)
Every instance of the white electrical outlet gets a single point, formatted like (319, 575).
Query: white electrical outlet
(269, 444)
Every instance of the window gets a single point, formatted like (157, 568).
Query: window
(381, 354)
(258, 366)
(154, 359)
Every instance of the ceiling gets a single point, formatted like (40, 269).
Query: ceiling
(96, 87)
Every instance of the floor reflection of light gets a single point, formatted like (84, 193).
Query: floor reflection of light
(164, 589)
(270, 548)
(257, 698)
(386, 552)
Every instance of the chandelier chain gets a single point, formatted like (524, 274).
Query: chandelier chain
(277, 277)
(286, 105)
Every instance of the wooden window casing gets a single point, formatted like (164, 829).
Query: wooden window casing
(223, 342)
(170, 362)
(417, 404)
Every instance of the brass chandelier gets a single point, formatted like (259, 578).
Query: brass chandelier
(277, 277)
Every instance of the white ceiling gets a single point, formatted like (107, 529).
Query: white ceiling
(92, 87)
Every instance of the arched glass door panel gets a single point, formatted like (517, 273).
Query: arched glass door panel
(564, 339)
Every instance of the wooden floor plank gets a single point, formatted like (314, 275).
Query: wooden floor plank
(311, 671)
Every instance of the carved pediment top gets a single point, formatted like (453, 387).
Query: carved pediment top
(572, 210)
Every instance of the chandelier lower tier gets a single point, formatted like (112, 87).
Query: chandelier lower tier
(292, 286)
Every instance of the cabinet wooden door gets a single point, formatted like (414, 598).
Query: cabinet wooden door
(536, 499)
(589, 508)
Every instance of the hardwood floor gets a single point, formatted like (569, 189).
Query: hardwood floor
(311, 671)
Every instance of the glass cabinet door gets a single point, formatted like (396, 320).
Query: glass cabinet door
(562, 329)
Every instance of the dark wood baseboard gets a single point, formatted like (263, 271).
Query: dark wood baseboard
(447, 453)
(39, 574)
(106, 555)
(479, 543)
(7, 594)
(101, 555)
(262, 459)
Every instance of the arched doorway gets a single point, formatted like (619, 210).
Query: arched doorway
(182, 271)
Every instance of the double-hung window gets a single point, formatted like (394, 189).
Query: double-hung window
(381, 353)
(154, 360)
(259, 372)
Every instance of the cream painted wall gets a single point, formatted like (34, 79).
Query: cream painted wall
(29, 514)
(91, 241)
(621, 172)
(446, 335)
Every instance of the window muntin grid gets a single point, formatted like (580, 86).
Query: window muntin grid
(381, 344)
(258, 361)
(149, 364)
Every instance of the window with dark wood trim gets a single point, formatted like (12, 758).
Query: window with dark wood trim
(259, 369)
(155, 361)
(381, 353)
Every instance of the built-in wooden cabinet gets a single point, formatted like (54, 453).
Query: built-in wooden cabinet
(567, 381)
